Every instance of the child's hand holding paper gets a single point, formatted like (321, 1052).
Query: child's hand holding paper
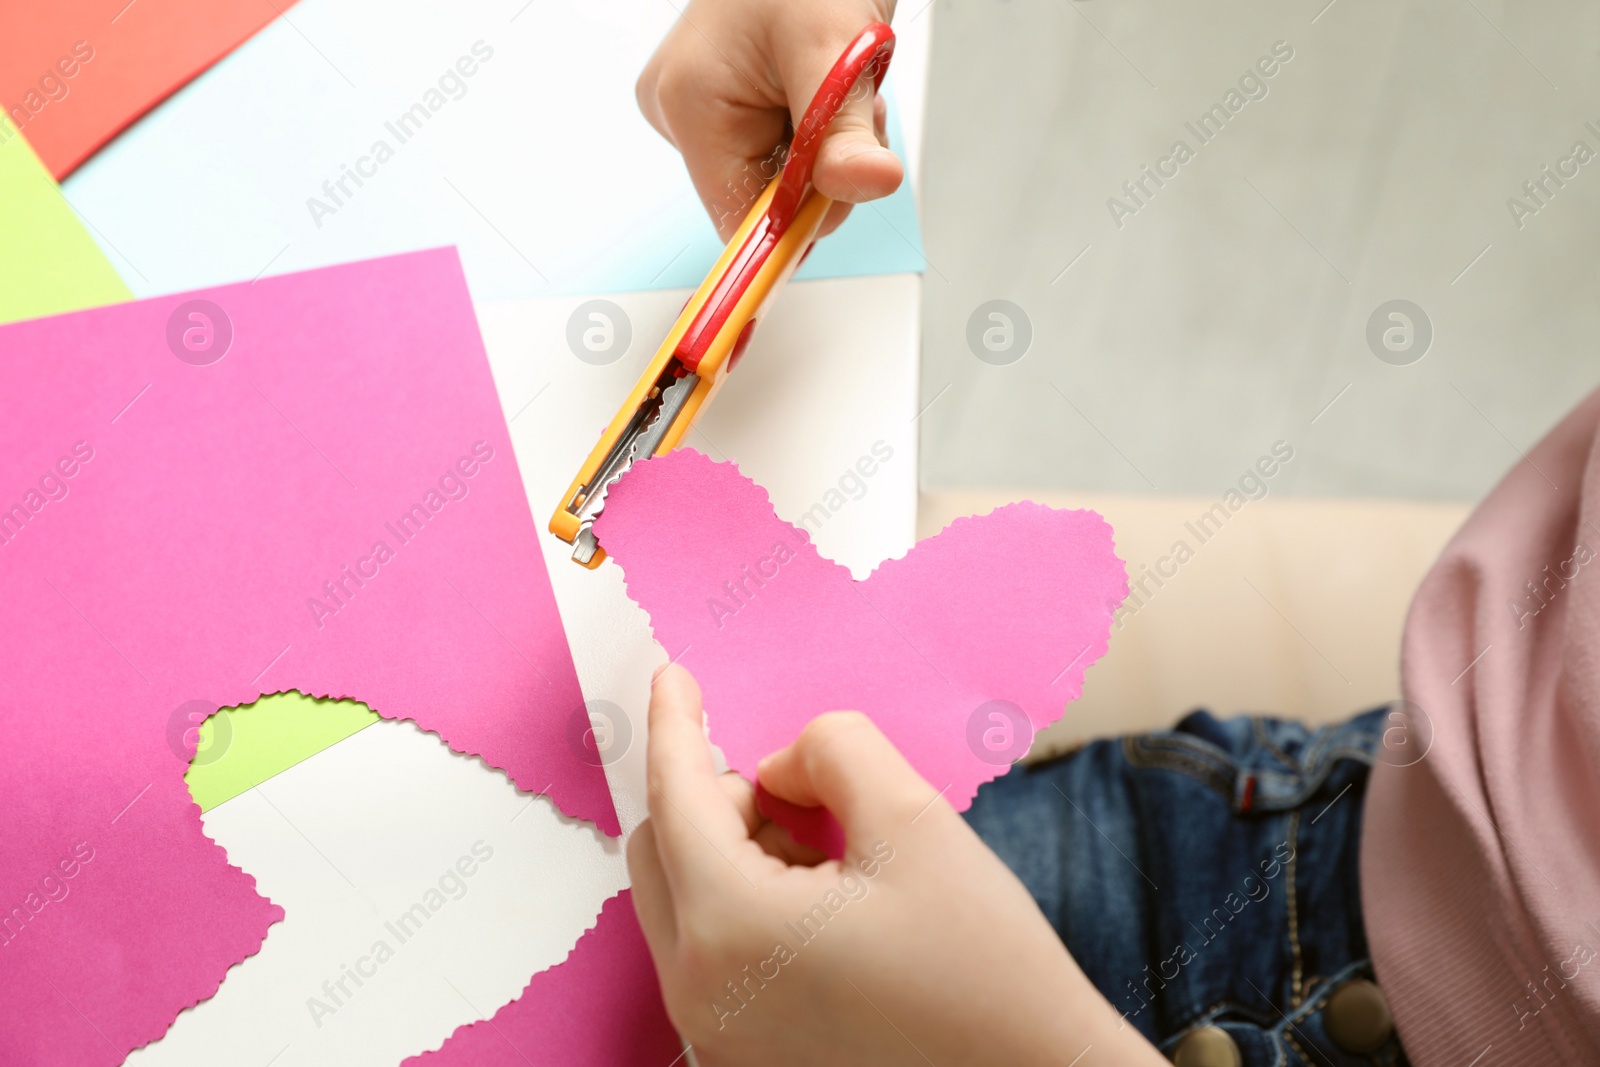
(918, 943)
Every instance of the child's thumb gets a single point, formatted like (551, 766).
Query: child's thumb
(841, 761)
(852, 163)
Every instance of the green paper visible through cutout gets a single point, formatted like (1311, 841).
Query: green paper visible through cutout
(48, 261)
(239, 748)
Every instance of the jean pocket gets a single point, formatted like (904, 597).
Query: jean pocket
(1206, 763)
(1255, 763)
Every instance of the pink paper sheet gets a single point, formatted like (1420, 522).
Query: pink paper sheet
(179, 517)
(960, 651)
(600, 1008)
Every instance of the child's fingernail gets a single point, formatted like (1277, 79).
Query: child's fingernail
(861, 148)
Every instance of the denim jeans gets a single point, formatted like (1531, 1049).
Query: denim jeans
(1204, 876)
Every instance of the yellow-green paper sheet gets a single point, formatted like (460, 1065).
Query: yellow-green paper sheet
(48, 262)
(239, 748)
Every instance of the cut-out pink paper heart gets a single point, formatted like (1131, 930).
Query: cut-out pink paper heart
(960, 651)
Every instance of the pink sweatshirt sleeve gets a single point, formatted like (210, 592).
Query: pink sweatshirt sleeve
(1480, 864)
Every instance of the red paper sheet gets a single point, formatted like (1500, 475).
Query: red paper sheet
(193, 492)
(960, 651)
(75, 73)
(600, 1008)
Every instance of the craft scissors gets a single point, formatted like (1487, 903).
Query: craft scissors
(714, 327)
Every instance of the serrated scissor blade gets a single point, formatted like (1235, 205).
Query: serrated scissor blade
(639, 441)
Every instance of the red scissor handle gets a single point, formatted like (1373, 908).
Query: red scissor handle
(869, 53)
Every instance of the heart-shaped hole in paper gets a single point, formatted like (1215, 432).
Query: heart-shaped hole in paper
(420, 888)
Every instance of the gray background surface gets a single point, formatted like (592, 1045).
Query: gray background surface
(1232, 307)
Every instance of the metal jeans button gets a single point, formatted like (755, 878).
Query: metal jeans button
(1358, 1018)
(1209, 1046)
